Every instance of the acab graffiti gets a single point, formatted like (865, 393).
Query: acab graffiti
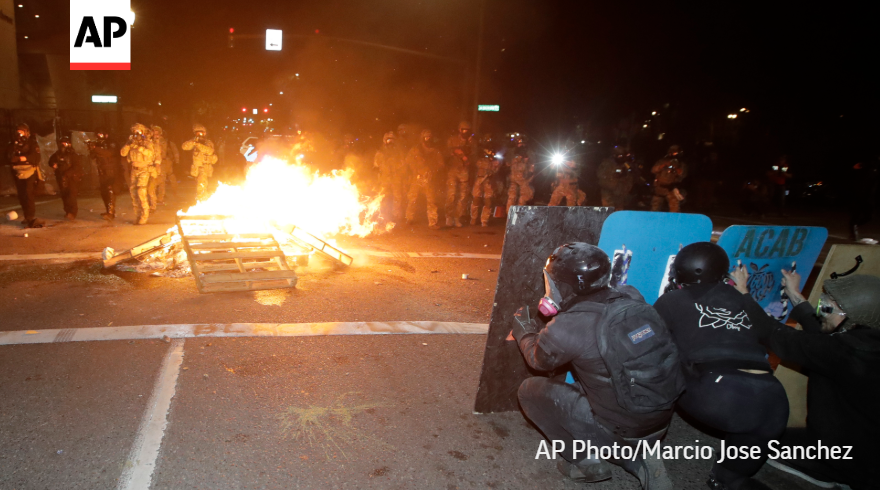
(769, 245)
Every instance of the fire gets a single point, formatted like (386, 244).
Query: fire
(277, 193)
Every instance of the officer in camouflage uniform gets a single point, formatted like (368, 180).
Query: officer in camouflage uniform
(566, 185)
(669, 171)
(390, 161)
(203, 159)
(425, 163)
(522, 172)
(68, 172)
(140, 154)
(103, 152)
(460, 153)
(163, 166)
(487, 167)
(615, 178)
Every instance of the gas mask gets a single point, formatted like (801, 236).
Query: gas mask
(21, 137)
(549, 304)
(827, 307)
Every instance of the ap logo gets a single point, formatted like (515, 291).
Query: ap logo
(100, 34)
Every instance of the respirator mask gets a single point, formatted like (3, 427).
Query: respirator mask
(827, 307)
(549, 304)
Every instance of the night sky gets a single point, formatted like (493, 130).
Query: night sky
(550, 65)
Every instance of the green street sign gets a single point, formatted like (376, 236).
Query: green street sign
(488, 108)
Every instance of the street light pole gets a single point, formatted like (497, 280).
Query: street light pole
(477, 68)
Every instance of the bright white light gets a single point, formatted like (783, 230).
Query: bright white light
(104, 99)
(644, 126)
(256, 111)
(743, 110)
(583, 142)
(131, 21)
(273, 40)
(280, 93)
(731, 116)
(557, 158)
(653, 113)
(297, 74)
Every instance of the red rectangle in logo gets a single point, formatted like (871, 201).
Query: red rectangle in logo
(100, 66)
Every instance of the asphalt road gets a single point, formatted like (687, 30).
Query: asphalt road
(367, 411)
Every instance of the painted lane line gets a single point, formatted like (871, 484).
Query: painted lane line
(68, 257)
(426, 255)
(75, 256)
(178, 331)
(138, 472)
(18, 208)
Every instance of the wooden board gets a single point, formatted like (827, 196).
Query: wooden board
(150, 246)
(532, 234)
(227, 262)
(841, 258)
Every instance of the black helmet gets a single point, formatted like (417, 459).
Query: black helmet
(701, 262)
(578, 269)
(65, 139)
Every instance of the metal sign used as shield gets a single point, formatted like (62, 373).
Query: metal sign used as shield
(642, 244)
(532, 233)
(765, 251)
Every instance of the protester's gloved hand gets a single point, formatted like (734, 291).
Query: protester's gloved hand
(523, 323)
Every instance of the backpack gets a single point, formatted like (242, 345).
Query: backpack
(640, 355)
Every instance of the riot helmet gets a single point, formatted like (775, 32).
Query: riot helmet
(573, 269)
(427, 137)
(465, 130)
(23, 131)
(857, 296)
(65, 142)
(199, 130)
(389, 138)
(700, 263)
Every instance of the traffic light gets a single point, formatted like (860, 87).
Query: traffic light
(231, 42)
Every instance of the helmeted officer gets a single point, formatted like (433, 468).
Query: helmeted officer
(68, 173)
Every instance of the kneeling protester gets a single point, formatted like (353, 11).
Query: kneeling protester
(626, 366)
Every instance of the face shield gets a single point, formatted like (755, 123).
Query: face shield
(549, 304)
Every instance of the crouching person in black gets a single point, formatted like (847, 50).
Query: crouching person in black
(598, 330)
(730, 385)
(840, 351)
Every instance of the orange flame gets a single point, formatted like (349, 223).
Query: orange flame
(278, 192)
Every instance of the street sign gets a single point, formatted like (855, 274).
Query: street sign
(488, 108)
(104, 99)
(273, 40)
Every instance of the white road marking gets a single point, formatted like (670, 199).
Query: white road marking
(72, 257)
(18, 208)
(138, 472)
(179, 331)
(66, 257)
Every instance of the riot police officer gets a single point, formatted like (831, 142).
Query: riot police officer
(522, 173)
(24, 158)
(616, 178)
(566, 185)
(203, 159)
(68, 173)
(390, 161)
(461, 153)
(139, 152)
(425, 163)
(484, 185)
(668, 171)
(105, 159)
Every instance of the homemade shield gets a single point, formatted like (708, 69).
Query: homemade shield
(765, 251)
(532, 234)
(641, 243)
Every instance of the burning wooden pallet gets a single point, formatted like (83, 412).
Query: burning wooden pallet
(222, 261)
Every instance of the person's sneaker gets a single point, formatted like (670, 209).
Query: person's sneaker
(587, 473)
(803, 476)
(108, 216)
(652, 475)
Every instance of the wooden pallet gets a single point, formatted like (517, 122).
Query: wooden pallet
(309, 241)
(221, 261)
